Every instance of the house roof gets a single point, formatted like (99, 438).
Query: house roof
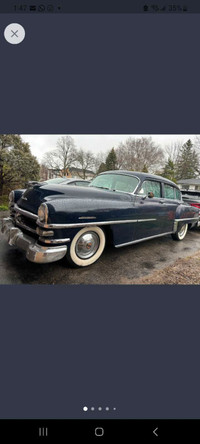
(189, 181)
(80, 170)
(71, 169)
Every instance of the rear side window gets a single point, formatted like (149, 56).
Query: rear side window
(149, 186)
(169, 192)
(178, 194)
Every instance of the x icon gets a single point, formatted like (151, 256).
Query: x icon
(14, 33)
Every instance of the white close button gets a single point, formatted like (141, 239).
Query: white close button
(14, 33)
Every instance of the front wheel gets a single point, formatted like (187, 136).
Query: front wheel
(180, 233)
(86, 247)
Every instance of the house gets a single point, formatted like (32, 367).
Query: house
(75, 173)
(189, 184)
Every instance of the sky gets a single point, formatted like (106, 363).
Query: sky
(42, 143)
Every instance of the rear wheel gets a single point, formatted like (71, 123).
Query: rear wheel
(86, 247)
(180, 233)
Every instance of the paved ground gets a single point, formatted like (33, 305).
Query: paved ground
(116, 266)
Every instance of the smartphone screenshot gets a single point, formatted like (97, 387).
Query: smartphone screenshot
(99, 221)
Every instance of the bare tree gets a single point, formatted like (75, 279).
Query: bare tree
(99, 159)
(85, 161)
(196, 143)
(172, 151)
(43, 172)
(137, 153)
(62, 157)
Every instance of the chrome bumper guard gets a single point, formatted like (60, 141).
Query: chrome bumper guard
(34, 252)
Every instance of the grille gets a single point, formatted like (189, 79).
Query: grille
(26, 223)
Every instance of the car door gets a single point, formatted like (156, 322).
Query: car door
(172, 199)
(151, 210)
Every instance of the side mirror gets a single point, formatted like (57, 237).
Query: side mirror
(150, 194)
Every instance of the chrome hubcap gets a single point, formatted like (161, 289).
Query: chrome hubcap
(182, 231)
(87, 245)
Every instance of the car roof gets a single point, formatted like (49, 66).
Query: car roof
(142, 176)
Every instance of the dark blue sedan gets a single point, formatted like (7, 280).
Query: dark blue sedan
(50, 222)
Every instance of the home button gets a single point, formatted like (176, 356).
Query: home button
(99, 431)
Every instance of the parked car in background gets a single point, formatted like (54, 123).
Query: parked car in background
(192, 197)
(52, 221)
(61, 181)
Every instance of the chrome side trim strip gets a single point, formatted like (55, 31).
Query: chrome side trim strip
(87, 217)
(89, 224)
(186, 219)
(54, 241)
(143, 239)
(85, 224)
(146, 220)
(25, 213)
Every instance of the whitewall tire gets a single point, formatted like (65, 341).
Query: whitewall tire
(86, 247)
(180, 233)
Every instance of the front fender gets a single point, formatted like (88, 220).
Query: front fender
(62, 211)
(18, 194)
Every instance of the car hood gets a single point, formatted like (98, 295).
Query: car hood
(33, 197)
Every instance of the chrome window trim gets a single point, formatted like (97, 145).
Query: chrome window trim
(87, 224)
(152, 180)
(139, 195)
(143, 239)
(119, 191)
(25, 212)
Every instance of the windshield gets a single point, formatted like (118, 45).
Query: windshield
(116, 182)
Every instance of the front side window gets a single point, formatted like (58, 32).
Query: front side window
(151, 186)
(116, 182)
(169, 192)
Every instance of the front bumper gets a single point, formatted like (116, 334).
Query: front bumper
(34, 252)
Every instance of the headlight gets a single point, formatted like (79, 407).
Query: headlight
(11, 197)
(43, 213)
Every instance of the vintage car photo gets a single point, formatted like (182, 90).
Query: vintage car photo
(51, 221)
(91, 209)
